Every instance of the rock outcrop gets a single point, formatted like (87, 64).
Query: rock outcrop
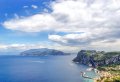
(97, 58)
(42, 52)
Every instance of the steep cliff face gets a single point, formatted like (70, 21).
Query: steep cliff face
(42, 52)
(97, 58)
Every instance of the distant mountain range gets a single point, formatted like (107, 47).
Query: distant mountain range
(42, 52)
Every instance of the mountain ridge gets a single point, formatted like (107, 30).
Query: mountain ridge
(97, 58)
(42, 52)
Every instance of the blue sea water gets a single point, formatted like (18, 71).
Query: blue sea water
(41, 69)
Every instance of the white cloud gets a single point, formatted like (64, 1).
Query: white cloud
(25, 6)
(34, 6)
(16, 16)
(22, 47)
(45, 10)
(71, 15)
(72, 39)
(3, 46)
(19, 47)
(97, 20)
(31, 24)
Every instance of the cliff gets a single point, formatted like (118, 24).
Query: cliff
(97, 58)
(42, 52)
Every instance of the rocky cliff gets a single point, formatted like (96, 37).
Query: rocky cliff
(42, 52)
(97, 58)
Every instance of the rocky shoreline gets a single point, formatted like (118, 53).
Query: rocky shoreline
(97, 58)
(107, 64)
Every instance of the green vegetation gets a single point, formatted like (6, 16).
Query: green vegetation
(114, 79)
(109, 73)
(102, 55)
(88, 53)
(98, 56)
(110, 54)
(106, 62)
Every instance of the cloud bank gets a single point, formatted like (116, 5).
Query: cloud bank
(90, 21)
(17, 48)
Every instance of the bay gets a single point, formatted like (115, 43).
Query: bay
(41, 69)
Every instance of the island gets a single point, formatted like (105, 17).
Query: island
(107, 64)
(42, 52)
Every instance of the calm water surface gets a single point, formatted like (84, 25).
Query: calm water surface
(41, 69)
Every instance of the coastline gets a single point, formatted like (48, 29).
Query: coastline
(87, 76)
(109, 74)
(102, 75)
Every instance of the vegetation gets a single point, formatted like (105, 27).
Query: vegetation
(105, 55)
(108, 64)
(100, 55)
(109, 73)
(109, 79)
(110, 54)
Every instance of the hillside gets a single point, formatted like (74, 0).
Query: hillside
(97, 58)
(108, 64)
(42, 52)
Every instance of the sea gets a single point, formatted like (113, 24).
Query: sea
(42, 69)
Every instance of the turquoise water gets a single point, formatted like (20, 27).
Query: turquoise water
(41, 69)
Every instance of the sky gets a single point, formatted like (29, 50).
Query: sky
(67, 25)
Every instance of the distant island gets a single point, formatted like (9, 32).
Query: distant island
(108, 64)
(42, 52)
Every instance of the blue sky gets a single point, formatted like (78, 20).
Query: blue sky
(67, 25)
(9, 9)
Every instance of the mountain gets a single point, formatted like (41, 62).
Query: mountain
(42, 52)
(97, 58)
